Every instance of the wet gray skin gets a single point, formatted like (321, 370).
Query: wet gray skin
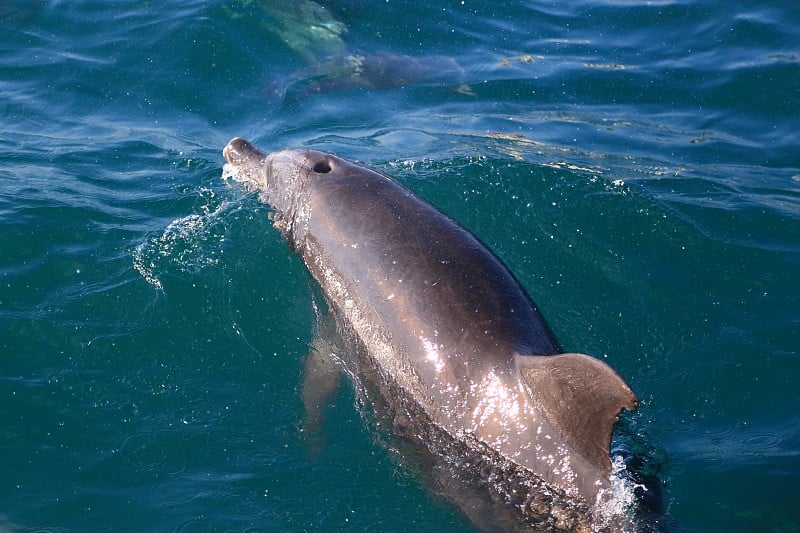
(442, 317)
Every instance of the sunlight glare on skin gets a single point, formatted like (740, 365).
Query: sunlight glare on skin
(497, 404)
(432, 354)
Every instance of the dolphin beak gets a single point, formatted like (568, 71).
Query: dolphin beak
(247, 164)
(239, 152)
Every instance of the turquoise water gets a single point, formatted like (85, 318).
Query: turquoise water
(635, 164)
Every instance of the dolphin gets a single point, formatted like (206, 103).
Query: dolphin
(376, 70)
(459, 347)
(313, 33)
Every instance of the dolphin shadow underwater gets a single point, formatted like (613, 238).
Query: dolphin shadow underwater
(448, 343)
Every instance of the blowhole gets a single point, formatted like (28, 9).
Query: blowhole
(322, 167)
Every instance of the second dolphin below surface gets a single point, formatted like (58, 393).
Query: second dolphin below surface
(455, 340)
(313, 32)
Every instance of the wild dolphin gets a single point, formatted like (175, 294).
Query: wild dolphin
(378, 70)
(459, 346)
(311, 31)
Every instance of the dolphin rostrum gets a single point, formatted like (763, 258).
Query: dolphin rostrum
(449, 330)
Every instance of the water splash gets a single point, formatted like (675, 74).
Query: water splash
(188, 244)
(231, 172)
(615, 507)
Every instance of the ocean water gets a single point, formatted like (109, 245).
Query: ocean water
(636, 164)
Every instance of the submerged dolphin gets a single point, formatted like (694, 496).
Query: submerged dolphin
(312, 32)
(378, 70)
(458, 345)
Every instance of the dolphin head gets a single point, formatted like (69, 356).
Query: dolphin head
(279, 177)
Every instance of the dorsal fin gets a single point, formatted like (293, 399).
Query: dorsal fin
(582, 397)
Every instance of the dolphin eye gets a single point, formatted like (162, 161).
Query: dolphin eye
(322, 167)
